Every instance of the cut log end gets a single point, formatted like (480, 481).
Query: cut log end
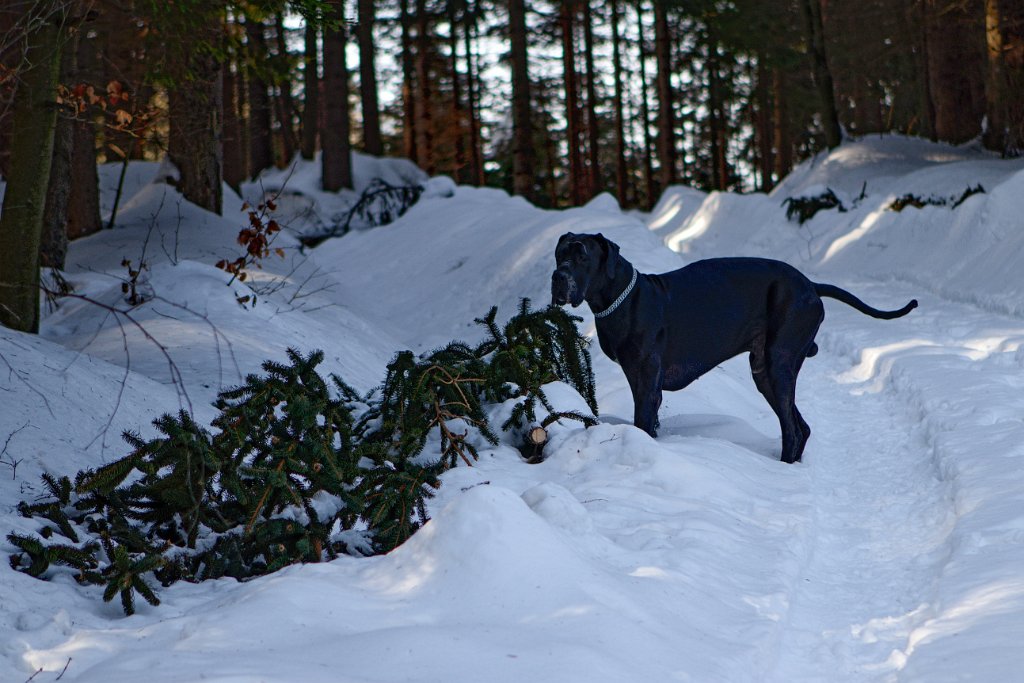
(533, 447)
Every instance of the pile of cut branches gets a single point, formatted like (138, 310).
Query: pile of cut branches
(299, 468)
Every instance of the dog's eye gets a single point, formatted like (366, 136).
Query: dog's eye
(578, 253)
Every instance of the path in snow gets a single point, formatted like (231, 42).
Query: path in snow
(884, 507)
(882, 515)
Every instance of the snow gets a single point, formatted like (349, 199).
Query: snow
(892, 553)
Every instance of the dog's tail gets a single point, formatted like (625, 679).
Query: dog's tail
(833, 292)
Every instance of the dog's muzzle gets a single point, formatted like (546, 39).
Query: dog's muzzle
(563, 289)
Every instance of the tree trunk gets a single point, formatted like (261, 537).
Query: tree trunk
(621, 181)
(476, 163)
(409, 118)
(645, 112)
(84, 199)
(368, 80)
(867, 106)
(459, 160)
(123, 61)
(955, 68)
(232, 143)
(913, 18)
(261, 144)
(666, 102)
(762, 124)
(337, 157)
(311, 94)
(54, 239)
(716, 117)
(550, 154)
(523, 157)
(1013, 68)
(571, 81)
(285, 101)
(1004, 88)
(424, 91)
(594, 184)
(34, 119)
(194, 105)
(780, 118)
(822, 75)
(11, 57)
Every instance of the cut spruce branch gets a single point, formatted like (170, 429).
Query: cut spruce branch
(298, 467)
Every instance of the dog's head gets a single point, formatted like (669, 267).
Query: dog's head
(583, 264)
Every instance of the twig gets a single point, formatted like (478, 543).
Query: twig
(62, 671)
(13, 464)
(12, 372)
(176, 376)
(263, 500)
(120, 389)
(120, 187)
(29, 679)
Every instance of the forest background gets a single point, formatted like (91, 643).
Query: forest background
(554, 101)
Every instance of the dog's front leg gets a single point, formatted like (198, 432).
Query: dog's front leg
(645, 380)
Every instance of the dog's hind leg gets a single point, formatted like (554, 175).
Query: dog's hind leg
(786, 347)
(781, 377)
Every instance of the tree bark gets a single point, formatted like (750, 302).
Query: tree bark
(459, 159)
(424, 91)
(34, 119)
(54, 243)
(955, 69)
(232, 142)
(410, 120)
(261, 145)
(523, 157)
(12, 57)
(337, 156)
(123, 61)
(822, 75)
(780, 119)
(311, 94)
(666, 102)
(1004, 87)
(571, 81)
(194, 104)
(285, 101)
(645, 112)
(372, 143)
(594, 184)
(621, 178)
(476, 163)
(716, 116)
(762, 124)
(84, 200)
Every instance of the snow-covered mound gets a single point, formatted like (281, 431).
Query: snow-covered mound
(892, 553)
(304, 207)
(968, 253)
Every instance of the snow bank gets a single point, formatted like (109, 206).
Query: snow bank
(892, 553)
(966, 254)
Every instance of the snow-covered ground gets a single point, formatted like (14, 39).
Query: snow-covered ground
(894, 552)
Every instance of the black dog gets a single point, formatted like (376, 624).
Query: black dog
(667, 330)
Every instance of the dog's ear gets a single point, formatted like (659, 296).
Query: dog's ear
(611, 255)
(564, 237)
